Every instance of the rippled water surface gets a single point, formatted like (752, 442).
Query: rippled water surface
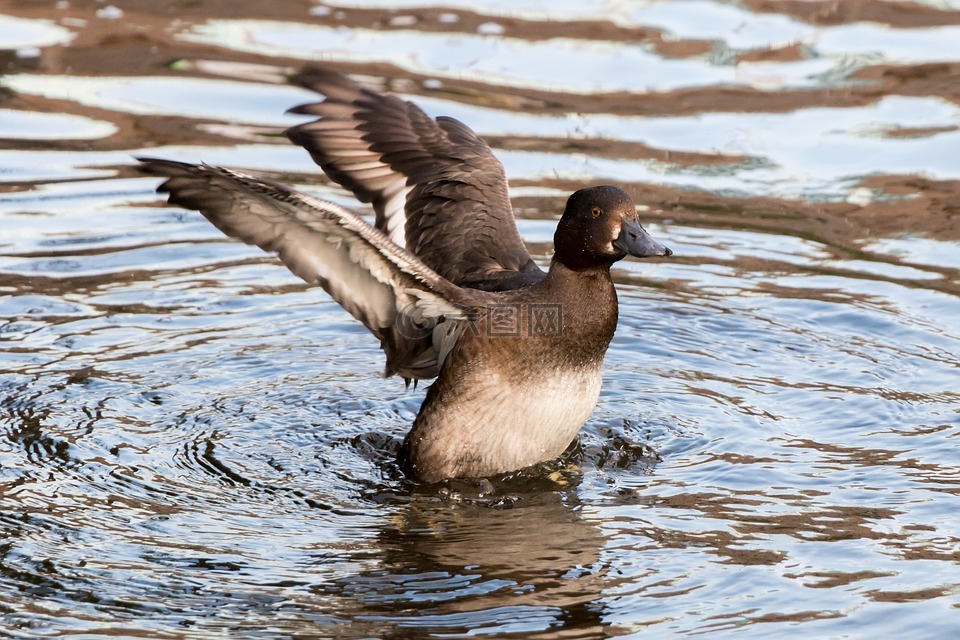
(193, 443)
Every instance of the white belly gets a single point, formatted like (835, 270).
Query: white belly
(528, 423)
(552, 412)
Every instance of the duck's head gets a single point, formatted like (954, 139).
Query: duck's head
(599, 226)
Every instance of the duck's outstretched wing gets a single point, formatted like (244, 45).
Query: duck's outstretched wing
(416, 314)
(436, 187)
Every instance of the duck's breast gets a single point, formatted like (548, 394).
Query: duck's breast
(492, 421)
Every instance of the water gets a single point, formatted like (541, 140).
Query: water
(194, 444)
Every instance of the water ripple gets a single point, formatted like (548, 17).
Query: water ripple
(193, 443)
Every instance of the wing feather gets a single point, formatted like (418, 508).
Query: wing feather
(435, 185)
(408, 306)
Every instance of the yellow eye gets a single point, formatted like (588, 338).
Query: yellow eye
(596, 212)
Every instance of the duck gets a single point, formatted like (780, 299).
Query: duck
(442, 277)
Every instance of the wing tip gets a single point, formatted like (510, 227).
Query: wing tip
(170, 170)
(330, 83)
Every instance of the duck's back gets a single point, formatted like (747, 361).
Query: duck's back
(435, 186)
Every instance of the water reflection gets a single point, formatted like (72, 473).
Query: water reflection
(190, 97)
(476, 567)
(194, 443)
(25, 36)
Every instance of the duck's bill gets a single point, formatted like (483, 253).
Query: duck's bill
(635, 241)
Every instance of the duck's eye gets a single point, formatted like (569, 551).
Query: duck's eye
(596, 212)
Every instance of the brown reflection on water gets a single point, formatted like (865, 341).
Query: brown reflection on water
(431, 564)
(744, 512)
(902, 15)
(144, 43)
(498, 561)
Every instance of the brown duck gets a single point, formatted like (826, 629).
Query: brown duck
(443, 278)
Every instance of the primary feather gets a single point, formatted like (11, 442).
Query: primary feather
(435, 186)
(416, 314)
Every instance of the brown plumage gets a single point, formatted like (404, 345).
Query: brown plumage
(426, 178)
(443, 280)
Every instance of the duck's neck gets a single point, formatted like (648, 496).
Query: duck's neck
(589, 305)
(559, 271)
